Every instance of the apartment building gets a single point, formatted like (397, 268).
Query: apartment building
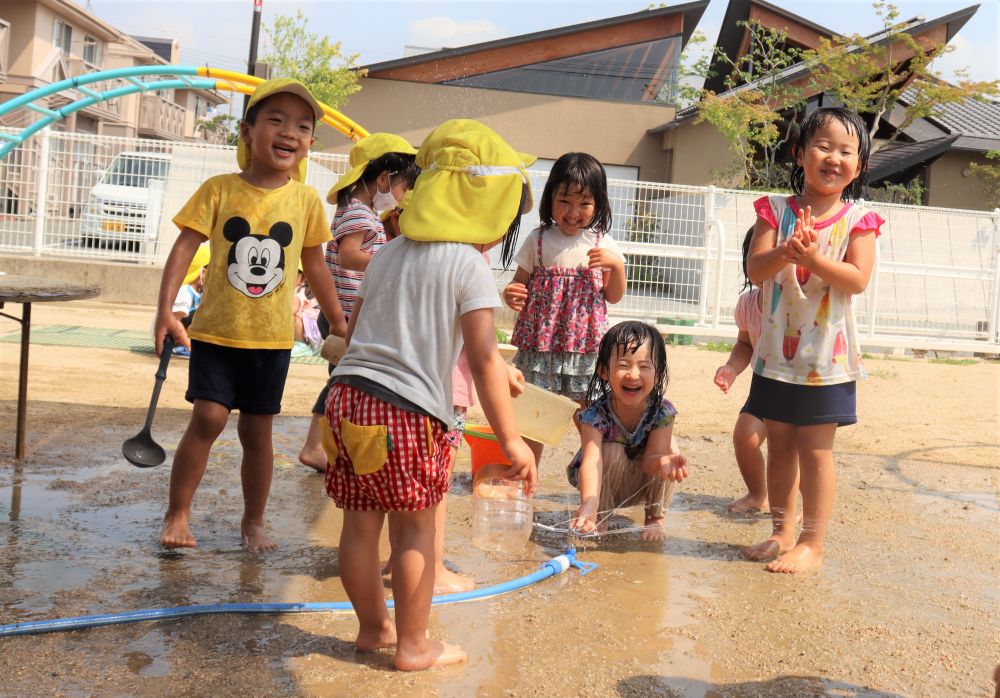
(45, 41)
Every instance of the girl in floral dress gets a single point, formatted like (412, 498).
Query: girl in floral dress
(568, 270)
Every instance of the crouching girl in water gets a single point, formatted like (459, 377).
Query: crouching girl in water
(627, 447)
(811, 253)
(390, 402)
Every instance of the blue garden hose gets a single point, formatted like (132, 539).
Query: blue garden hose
(551, 568)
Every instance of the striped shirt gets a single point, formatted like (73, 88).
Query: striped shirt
(353, 218)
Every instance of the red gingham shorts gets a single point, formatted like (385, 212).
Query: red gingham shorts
(387, 459)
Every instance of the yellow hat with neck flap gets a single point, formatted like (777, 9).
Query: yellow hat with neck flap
(470, 186)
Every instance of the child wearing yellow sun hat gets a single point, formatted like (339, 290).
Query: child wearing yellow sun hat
(390, 405)
(260, 222)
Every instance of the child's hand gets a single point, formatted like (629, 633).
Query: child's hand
(673, 467)
(169, 324)
(515, 379)
(522, 464)
(801, 251)
(514, 295)
(600, 257)
(338, 325)
(725, 376)
(585, 520)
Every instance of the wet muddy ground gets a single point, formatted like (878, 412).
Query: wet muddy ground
(908, 602)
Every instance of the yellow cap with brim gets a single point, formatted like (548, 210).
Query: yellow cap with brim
(270, 88)
(469, 189)
(369, 148)
(200, 260)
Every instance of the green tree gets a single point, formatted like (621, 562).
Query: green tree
(757, 113)
(989, 176)
(222, 126)
(294, 51)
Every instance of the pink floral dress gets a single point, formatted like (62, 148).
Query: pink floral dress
(560, 327)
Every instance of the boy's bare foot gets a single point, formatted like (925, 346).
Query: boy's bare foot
(748, 503)
(376, 638)
(653, 530)
(256, 538)
(767, 550)
(801, 558)
(448, 582)
(996, 679)
(314, 458)
(176, 533)
(436, 654)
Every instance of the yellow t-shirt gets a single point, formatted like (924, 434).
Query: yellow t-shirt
(256, 236)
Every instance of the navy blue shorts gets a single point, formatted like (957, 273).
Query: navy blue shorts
(249, 380)
(802, 405)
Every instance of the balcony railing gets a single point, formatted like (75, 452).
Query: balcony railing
(160, 118)
(4, 48)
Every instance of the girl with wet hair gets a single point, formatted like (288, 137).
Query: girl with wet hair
(628, 454)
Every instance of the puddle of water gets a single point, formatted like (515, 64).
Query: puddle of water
(147, 656)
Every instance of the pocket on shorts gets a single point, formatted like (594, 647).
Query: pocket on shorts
(366, 445)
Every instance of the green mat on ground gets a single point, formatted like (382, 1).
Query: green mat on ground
(104, 338)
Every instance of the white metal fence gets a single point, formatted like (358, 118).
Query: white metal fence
(936, 282)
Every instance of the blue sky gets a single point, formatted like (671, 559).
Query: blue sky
(216, 32)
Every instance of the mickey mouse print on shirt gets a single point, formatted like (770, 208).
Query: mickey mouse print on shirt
(256, 264)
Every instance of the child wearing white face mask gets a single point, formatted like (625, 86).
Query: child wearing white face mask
(382, 170)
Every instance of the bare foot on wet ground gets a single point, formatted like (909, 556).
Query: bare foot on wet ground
(800, 559)
(176, 533)
(256, 538)
(434, 654)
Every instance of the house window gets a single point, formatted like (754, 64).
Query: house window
(62, 35)
(91, 50)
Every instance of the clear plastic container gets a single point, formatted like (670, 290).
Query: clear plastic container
(501, 515)
(543, 416)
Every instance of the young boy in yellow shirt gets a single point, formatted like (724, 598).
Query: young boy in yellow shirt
(259, 223)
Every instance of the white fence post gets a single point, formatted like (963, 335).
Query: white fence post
(995, 310)
(702, 284)
(41, 200)
(873, 290)
(720, 267)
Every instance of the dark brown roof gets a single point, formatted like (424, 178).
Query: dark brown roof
(899, 157)
(731, 33)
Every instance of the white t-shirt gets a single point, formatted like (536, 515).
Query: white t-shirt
(408, 334)
(561, 250)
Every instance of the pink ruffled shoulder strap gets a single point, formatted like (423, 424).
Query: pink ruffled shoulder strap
(869, 221)
(763, 208)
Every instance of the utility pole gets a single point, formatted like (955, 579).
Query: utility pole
(254, 33)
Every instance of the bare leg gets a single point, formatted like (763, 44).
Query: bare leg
(359, 571)
(312, 453)
(653, 529)
(748, 436)
(255, 474)
(412, 588)
(208, 419)
(782, 487)
(819, 488)
(446, 581)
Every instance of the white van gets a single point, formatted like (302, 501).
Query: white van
(125, 204)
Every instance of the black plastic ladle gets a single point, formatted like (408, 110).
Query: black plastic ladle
(141, 450)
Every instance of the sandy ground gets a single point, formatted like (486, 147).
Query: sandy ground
(908, 602)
